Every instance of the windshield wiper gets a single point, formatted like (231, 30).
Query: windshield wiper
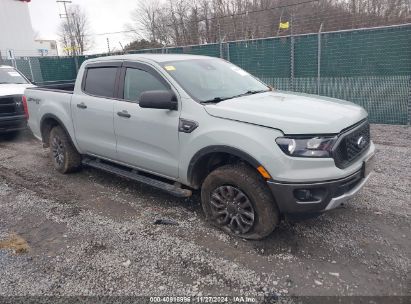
(218, 99)
(251, 92)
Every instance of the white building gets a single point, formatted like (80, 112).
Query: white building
(46, 47)
(16, 31)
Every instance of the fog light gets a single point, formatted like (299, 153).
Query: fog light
(303, 194)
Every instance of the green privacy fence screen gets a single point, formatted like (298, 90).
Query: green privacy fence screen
(370, 67)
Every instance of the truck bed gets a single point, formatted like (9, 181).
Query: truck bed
(57, 87)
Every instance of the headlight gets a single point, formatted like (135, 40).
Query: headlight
(306, 147)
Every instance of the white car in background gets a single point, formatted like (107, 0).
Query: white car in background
(13, 111)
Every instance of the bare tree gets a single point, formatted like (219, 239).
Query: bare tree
(183, 22)
(66, 39)
(146, 21)
(74, 32)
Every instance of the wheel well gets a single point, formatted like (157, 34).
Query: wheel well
(46, 125)
(209, 162)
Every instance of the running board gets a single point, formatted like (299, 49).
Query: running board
(134, 175)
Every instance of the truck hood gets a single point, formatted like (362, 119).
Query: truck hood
(13, 89)
(292, 113)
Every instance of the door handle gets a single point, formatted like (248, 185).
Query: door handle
(124, 114)
(81, 105)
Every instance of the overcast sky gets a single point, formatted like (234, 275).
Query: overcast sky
(104, 16)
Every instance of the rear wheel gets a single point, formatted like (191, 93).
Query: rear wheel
(64, 155)
(236, 199)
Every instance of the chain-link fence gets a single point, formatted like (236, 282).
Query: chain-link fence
(369, 66)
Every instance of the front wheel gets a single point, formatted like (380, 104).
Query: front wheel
(236, 199)
(64, 155)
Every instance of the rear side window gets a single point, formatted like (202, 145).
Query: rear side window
(139, 81)
(101, 81)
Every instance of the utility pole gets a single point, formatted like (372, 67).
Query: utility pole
(66, 15)
(121, 47)
(108, 45)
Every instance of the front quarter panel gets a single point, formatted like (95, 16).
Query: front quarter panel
(253, 140)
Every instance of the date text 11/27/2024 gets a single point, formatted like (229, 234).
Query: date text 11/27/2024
(203, 299)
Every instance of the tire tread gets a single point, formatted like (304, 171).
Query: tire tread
(267, 210)
(72, 159)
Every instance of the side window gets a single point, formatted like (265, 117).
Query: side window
(100, 81)
(138, 81)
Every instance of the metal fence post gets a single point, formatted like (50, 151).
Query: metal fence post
(319, 60)
(76, 63)
(292, 56)
(409, 100)
(221, 49)
(220, 40)
(31, 70)
(228, 51)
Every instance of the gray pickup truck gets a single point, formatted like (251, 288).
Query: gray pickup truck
(182, 123)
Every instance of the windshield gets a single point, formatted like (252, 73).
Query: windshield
(213, 80)
(11, 76)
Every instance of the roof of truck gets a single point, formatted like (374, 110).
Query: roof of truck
(151, 57)
(6, 67)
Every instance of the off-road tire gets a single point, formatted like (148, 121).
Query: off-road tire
(246, 179)
(70, 160)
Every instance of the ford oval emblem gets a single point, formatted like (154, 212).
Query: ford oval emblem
(361, 142)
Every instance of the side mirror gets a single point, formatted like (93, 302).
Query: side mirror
(158, 100)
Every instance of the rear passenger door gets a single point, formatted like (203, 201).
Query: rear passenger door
(92, 109)
(146, 138)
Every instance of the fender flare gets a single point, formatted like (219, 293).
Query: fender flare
(218, 149)
(60, 123)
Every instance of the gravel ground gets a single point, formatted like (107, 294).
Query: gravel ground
(91, 233)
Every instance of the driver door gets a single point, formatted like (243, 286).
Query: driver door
(146, 138)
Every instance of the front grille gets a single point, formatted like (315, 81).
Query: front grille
(349, 146)
(10, 105)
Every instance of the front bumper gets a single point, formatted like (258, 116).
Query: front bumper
(324, 195)
(12, 123)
